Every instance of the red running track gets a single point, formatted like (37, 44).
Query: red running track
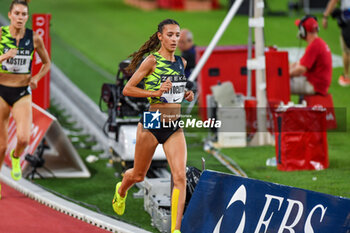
(20, 214)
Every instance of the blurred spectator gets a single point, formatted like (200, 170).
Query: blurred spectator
(343, 18)
(312, 74)
(188, 50)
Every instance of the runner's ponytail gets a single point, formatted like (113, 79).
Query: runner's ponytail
(152, 45)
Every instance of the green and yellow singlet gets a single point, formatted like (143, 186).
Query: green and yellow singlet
(22, 62)
(165, 69)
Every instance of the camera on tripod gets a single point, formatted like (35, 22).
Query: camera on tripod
(120, 106)
(35, 161)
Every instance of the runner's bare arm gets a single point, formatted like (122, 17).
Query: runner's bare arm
(45, 59)
(10, 54)
(146, 68)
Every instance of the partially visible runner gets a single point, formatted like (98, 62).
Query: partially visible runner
(17, 44)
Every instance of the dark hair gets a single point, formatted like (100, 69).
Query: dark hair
(149, 46)
(22, 2)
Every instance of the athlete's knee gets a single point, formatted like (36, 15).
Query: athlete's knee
(179, 177)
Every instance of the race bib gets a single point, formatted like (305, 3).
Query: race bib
(177, 91)
(19, 64)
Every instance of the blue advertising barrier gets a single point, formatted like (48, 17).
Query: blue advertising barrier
(225, 203)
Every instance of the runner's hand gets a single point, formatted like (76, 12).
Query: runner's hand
(11, 53)
(33, 83)
(189, 96)
(166, 86)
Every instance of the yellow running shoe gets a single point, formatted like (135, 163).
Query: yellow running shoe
(118, 202)
(176, 231)
(16, 171)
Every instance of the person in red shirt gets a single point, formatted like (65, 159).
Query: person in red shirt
(312, 74)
